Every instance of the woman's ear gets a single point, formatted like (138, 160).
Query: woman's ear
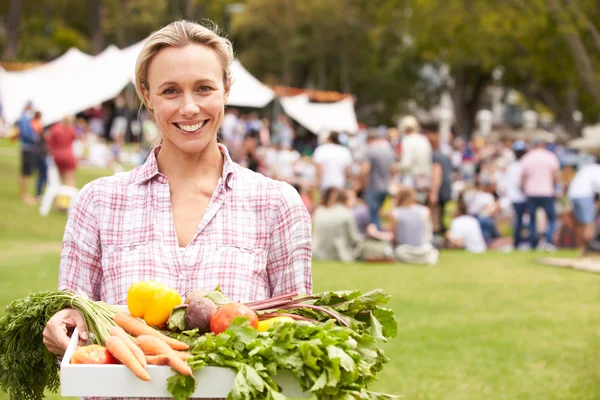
(147, 100)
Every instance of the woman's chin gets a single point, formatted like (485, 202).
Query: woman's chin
(193, 145)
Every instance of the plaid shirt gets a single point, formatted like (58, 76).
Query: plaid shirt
(254, 239)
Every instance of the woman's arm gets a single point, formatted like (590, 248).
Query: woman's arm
(289, 258)
(81, 256)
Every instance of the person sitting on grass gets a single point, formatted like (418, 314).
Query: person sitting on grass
(335, 235)
(465, 231)
(412, 229)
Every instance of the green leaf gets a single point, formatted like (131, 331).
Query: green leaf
(346, 362)
(241, 330)
(387, 320)
(181, 387)
(177, 320)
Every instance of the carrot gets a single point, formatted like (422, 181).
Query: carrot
(117, 347)
(137, 352)
(154, 346)
(136, 328)
(157, 360)
(184, 355)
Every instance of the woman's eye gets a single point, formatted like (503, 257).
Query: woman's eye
(169, 91)
(204, 89)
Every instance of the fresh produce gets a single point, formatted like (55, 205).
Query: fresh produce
(332, 347)
(199, 313)
(27, 369)
(265, 324)
(329, 361)
(119, 349)
(137, 352)
(226, 313)
(136, 328)
(154, 346)
(152, 301)
(92, 354)
(195, 295)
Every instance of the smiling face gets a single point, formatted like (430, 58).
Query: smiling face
(188, 96)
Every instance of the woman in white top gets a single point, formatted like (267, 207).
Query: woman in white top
(582, 190)
(465, 231)
(512, 187)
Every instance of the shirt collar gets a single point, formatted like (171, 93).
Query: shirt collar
(150, 170)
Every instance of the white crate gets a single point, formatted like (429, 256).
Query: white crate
(118, 381)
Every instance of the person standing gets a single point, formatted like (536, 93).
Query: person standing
(441, 184)
(333, 162)
(581, 193)
(189, 218)
(27, 138)
(514, 193)
(378, 159)
(539, 177)
(415, 161)
(60, 144)
(40, 153)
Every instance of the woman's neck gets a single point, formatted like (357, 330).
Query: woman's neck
(178, 165)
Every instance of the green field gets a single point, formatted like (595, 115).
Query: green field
(492, 326)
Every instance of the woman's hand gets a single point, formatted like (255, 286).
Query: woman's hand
(55, 334)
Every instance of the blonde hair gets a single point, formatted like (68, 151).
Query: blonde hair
(179, 34)
(404, 197)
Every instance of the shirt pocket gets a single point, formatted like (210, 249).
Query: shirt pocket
(240, 271)
(125, 264)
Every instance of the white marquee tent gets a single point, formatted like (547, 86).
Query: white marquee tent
(319, 117)
(76, 81)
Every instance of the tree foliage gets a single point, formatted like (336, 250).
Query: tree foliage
(375, 49)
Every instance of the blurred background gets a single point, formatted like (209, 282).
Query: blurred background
(479, 83)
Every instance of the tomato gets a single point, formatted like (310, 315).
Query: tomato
(226, 313)
(92, 354)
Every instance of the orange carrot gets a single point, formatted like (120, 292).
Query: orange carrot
(136, 328)
(137, 352)
(117, 347)
(154, 346)
(157, 360)
(184, 355)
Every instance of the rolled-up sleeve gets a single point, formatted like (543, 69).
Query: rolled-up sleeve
(80, 259)
(290, 251)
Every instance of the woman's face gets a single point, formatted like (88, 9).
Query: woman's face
(187, 94)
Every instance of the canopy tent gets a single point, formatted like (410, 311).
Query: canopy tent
(590, 141)
(320, 117)
(76, 81)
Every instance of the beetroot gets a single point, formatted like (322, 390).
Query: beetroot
(199, 313)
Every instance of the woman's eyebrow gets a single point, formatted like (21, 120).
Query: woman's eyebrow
(171, 83)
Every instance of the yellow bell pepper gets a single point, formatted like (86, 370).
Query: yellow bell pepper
(264, 325)
(152, 301)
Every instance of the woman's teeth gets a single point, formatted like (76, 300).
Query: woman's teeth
(190, 128)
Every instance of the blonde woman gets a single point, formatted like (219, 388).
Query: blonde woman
(189, 217)
(335, 231)
(412, 229)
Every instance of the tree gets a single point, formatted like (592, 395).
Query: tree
(12, 28)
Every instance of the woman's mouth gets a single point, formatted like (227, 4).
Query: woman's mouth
(187, 128)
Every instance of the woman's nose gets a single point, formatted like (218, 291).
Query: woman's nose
(189, 106)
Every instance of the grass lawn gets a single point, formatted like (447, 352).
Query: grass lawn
(492, 326)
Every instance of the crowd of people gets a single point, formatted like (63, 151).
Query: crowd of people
(384, 194)
(381, 194)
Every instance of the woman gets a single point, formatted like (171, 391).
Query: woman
(412, 230)
(60, 145)
(514, 192)
(189, 217)
(335, 233)
(582, 190)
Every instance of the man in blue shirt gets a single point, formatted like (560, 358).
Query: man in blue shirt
(27, 138)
